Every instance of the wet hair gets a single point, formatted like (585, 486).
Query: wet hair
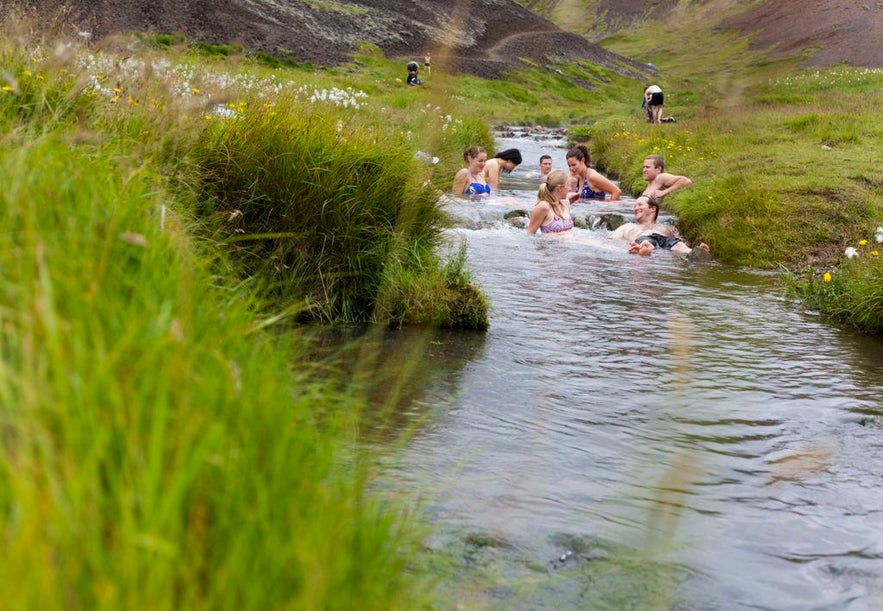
(580, 152)
(658, 161)
(546, 193)
(472, 152)
(513, 155)
(413, 67)
(542, 157)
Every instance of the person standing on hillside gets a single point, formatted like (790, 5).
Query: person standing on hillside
(654, 98)
(413, 79)
(659, 182)
(427, 63)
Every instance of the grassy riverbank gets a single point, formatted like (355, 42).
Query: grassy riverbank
(167, 442)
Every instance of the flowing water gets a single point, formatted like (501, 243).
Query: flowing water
(642, 432)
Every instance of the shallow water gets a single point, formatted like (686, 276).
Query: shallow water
(640, 432)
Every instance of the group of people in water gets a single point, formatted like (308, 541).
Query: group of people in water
(559, 189)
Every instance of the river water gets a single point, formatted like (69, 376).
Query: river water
(641, 432)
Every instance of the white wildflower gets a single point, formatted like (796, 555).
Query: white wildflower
(851, 253)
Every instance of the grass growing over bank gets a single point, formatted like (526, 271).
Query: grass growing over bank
(166, 444)
(158, 451)
(333, 219)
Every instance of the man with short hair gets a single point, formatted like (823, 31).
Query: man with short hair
(545, 166)
(659, 182)
(646, 234)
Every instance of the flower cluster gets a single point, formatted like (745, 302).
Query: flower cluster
(345, 98)
(109, 76)
(853, 252)
(829, 79)
(661, 145)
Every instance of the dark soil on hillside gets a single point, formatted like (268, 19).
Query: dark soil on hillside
(485, 38)
(839, 31)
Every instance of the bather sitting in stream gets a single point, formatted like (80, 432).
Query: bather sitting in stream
(551, 213)
(646, 234)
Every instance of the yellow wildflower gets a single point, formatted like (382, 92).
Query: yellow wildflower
(874, 253)
(827, 277)
(195, 90)
(7, 87)
(862, 242)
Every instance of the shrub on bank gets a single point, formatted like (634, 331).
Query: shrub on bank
(850, 292)
(331, 216)
(158, 452)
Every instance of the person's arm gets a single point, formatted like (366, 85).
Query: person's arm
(537, 216)
(461, 181)
(599, 182)
(673, 182)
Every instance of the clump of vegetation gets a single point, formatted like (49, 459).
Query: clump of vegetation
(851, 291)
(160, 449)
(323, 212)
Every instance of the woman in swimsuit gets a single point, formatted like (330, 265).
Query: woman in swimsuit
(588, 182)
(551, 213)
(504, 161)
(469, 181)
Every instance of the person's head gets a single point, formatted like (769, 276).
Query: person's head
(578, 158)
(545, 164)
(554, 188)
(475, 157)
(509, 159)
(646, 208)
(413, 67)
(654, 165)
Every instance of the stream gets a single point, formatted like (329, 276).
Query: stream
(639, 432)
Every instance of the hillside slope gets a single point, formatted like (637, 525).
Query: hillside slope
(481, 37)
(484, 38)
(829, 32)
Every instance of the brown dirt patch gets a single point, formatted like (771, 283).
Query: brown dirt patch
(842, 30)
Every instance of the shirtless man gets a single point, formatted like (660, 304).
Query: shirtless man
(659, 182)
(545, 166)
(646, 234)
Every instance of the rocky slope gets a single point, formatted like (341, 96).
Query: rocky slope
(481, 37)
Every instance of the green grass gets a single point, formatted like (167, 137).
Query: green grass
(166, 441)
(159, 452)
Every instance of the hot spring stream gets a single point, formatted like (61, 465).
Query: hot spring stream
(640, 432)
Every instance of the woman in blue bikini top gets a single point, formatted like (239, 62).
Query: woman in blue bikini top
(590, 183)
(469, 181)
(551, 213)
